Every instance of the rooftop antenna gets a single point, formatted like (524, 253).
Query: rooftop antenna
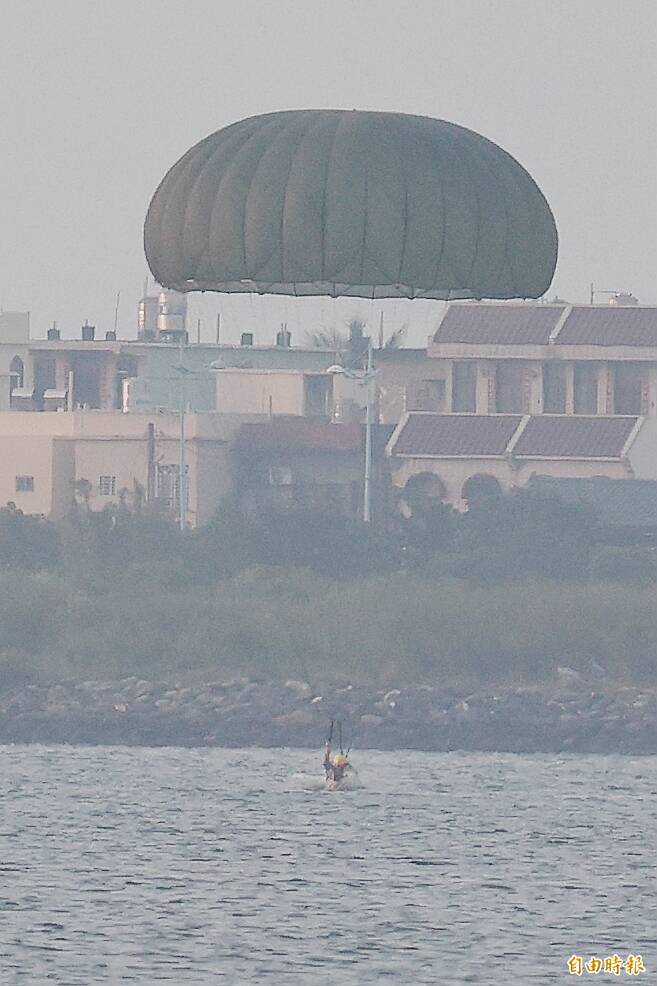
(116, 311)
(600, 291)
(381, 331)
(198, 331)
(218, 326)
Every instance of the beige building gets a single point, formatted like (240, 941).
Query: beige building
(492, 396)
(14, 354)
(298, 393)
(447, 455)
(109, 456)
(548, 359)
(532, 389)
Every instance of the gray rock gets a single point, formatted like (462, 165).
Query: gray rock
(568, 676)
(371, 721)
(300, 717)
(300, 688)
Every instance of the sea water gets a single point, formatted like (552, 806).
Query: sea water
(181, 866)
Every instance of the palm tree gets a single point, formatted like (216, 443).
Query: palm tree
(394, 340)
(354, 339)
(330, 338)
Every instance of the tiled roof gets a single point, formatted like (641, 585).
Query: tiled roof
(456, 434)
(531, 325)
(609, 325)
(557, 436)
(299, 434)
(503, 325)
(550, 436)
(617, 502)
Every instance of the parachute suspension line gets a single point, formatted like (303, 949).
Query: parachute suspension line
(340, 735)
(330, 733)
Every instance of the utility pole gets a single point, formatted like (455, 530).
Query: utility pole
(182, 478)
(600, 291)
(367, 494)
(150, 474)
(366, 378)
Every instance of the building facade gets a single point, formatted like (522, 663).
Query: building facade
(53, 459)
(504, 392)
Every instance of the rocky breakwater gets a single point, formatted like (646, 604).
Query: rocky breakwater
(568, 716)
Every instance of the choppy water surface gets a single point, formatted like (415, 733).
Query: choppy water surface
(153, 866)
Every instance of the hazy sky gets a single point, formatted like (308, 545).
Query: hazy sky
(98, 99)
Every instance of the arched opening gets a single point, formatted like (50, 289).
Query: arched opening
(481, 486)
(420, 492)
(16, 374)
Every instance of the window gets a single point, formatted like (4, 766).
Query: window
(554, 388)
(427, 395)
(628, 388)
(464, 386)
(107, 486)
(315, 396)
(586, 388)
(16, 374)
(25, 484)
(510, 388)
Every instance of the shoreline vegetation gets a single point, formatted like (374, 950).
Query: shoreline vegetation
(521, 625)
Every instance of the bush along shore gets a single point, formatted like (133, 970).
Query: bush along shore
(570, 716)
(517, 626)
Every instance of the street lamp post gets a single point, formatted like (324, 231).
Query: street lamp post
(365, 377)
(593, 291)
(367, 492)
(182, 457)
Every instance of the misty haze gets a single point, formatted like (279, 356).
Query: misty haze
(328, 492)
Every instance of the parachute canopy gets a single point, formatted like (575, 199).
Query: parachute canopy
(340, 202)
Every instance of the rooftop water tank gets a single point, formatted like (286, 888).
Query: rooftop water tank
(172, 313)
(147, 313)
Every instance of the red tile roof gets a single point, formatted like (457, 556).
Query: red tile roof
(502, 325)
(607, 325)
(299, 434)
(557, 436)
(456, 434)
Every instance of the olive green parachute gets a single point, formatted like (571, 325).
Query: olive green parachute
(342, 202)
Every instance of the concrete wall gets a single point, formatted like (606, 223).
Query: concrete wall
(215, 477)
(642, 455)
(27, 456)
(454, 472)
(63, 478)
(258, 391)
(14, 327)
(59, 448)
(14, 335)
(401, 374)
